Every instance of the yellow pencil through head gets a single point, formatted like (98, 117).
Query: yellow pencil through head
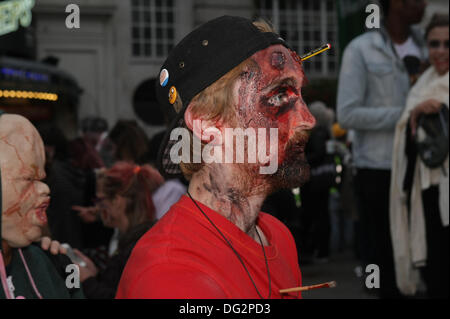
(315, 52)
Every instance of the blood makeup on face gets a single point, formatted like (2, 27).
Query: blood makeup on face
(280, 100)
(270, 93)
(24, 186)
(269, 96)
(278, 60)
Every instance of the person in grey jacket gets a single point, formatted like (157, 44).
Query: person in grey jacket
(373, 84)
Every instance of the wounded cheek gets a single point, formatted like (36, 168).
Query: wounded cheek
(15, 208)
(283, 131)
(23, 203)
(25, 224)
(247, 93)
(23, 191)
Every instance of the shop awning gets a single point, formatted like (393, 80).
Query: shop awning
(35, 80)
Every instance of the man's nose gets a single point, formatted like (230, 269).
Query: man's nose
(301, 118)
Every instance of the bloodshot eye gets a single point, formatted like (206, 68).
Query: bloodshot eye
(278, 99)
(282, 95)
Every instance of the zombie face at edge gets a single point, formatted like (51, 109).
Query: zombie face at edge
(25, 196)
(269, 96)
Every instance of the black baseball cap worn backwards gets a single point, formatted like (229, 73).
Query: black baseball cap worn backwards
(200, 59)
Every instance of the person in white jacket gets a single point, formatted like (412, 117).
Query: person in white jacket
(419, 215)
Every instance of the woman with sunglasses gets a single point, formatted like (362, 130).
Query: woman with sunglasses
(419, 207)
(124, 201)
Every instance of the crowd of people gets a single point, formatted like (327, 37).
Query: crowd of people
(105, 194)
(391, 82)
(377, 179)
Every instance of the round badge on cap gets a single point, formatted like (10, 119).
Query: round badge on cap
(163, 77)
(172, 95)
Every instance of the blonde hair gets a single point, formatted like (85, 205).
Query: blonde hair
(216, 101)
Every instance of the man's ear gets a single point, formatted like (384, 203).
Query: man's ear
(203, 129)
(188, 117)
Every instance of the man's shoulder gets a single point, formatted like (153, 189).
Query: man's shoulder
(365, 40)
(171, 280)
(174, 247)
(280, 232)
(157, 244)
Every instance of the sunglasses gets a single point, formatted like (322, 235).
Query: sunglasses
(434, 44)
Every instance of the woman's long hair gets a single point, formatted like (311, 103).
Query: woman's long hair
(136, 184)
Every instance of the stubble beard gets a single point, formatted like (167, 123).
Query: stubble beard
(294, 170)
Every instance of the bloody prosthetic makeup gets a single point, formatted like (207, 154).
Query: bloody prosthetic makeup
(25, 197)
(269, 96)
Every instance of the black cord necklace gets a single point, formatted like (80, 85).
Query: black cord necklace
(236, 253)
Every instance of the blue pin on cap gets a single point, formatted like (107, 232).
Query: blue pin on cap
(163, 77)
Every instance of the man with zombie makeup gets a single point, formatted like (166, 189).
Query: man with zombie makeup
(214, 242)
(375, 77)
(26, 271)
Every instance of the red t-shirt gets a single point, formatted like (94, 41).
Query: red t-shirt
(184, 256)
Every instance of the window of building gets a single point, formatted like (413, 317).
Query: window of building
(152, 27)
(306, 25)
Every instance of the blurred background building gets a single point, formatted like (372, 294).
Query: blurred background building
(108, 66)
